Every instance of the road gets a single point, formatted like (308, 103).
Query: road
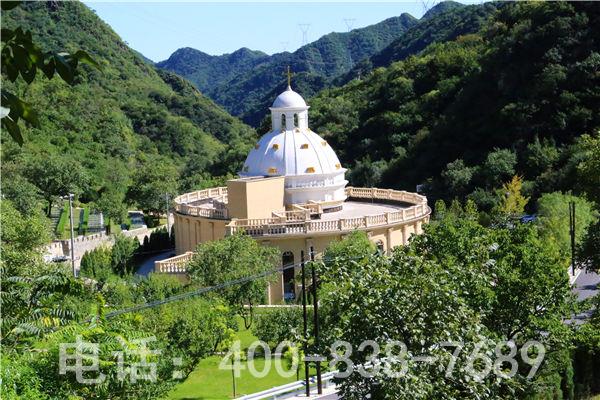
(148, 265)
(586, 285)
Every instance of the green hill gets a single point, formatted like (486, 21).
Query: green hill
(206, 71)
(246, 92)
(117, 126)
(464, 116)
(444, 22)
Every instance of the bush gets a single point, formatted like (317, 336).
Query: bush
(278, 324)
(123, 254)
(97, 263)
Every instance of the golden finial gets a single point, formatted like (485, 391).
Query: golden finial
(289, 76)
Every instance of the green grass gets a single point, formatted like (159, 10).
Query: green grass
(83, 223)
(208, 382)
(62, 222)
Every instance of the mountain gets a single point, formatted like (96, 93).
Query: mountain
(205, 71)
(143, 57)
(125, 122)
(464, 116)
(441, 7)
(444, 22)
(245, 92)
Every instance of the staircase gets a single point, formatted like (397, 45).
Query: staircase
(55, 216)
(95, 222)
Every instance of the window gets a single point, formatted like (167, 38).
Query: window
(296, 120)
(289, 290)
(283, 122)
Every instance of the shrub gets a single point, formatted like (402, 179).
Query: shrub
(278, 324)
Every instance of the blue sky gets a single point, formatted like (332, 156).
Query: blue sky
(157, 29)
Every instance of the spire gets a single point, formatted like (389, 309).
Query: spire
(289, 78)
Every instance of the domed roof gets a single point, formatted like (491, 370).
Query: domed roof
(292, 152)
(289, 99)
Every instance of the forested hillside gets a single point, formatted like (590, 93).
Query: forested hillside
(206, 71)
(522, 97)
(246, 92)
(125, 134)
(444, 22)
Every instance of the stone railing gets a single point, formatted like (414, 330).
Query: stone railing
(278, 225)
(185, 204)
(174, 265)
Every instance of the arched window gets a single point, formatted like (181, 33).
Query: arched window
(380, 248)
(296, 120)
(289, 291)
(283, 127)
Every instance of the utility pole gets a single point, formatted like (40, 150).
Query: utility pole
(305, 317)
(71, 195)
(316, 318)
(572, 233)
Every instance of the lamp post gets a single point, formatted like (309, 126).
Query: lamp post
(70, 197)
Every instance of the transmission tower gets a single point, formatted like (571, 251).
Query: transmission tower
(428, 4)
(349, 23)
(304, 28)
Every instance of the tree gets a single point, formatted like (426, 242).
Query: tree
(457, 281)
(553, 219)
(234, 257)
(277, 325)
(457, 176)
(589, 249)
(97, 263)
(589, 165)
(56, 176)
(513, 202)
(152, 180)
(123, 253)
(21, 56)
(498, 166)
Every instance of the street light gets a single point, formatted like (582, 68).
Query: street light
(70, 197)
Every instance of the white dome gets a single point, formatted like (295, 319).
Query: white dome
(289, 99)
(292, 152)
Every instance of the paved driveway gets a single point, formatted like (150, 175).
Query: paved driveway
(586, 286)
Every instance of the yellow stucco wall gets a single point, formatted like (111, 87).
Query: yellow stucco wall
(190, 231)
(251, 198)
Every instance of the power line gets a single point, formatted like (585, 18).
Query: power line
(208, 289)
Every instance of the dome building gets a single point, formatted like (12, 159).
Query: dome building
(312, 171)
(292, 194)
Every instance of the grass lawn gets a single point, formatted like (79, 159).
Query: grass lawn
(208, 382)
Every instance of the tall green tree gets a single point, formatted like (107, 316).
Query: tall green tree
(234, 257)
(153, 179)
(56, 176)
(553, 219)
(21, 56)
